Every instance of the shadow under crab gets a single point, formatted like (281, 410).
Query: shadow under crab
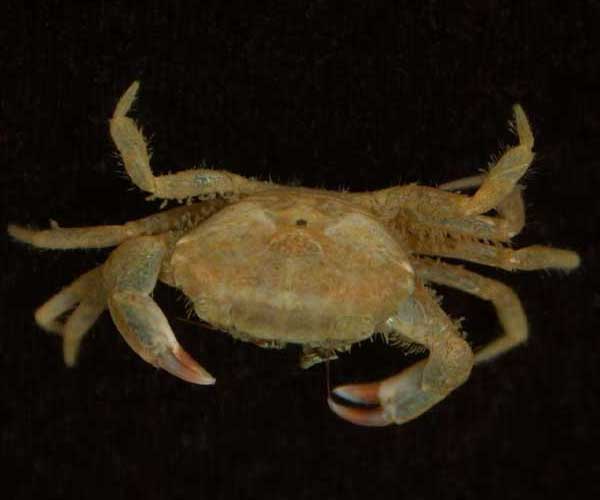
(273, 264)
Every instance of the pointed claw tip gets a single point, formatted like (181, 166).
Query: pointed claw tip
(182, 365)
(359, 393)
(206, 379)
(374, 417)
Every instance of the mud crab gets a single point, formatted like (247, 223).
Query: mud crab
(273, 264)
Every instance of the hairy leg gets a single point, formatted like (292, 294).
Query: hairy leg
(440, 204)
(511, 209)
(470, 182)
(415, 390)
(505, 300)
(502, 178)
(502, 228)
(527, 259)
(184, 217)
(195, 182)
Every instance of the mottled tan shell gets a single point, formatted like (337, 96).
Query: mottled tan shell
(293, 266)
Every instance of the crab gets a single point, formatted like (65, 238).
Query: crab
(274, 265)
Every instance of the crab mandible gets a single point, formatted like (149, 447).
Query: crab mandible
(273, 265)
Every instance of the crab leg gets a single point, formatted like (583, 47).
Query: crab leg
(79, 323)
(46, 316)
(502, 178)
(482, 227)
(60, 238)
(511, 210)
(195, 182)
(527, 259)
(439, 204)
(410, 393)
(505, 301)
(86, 295)
(130, 274)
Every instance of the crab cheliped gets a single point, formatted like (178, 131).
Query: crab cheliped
(272, 265)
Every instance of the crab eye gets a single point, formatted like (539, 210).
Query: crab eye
(301, 222)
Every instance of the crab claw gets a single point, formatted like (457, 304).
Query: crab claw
(397, 399)
(365, 394)
(179, 363)
(369, 417)
(146, 329)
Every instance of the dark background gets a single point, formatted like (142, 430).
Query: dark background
(329, 94)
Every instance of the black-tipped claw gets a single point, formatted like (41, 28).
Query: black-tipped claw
(369, 417)
(364, 394)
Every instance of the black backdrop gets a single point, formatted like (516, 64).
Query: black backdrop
(330, 94)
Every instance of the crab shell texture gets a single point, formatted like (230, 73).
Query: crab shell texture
(272, 265)
(293, 266)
